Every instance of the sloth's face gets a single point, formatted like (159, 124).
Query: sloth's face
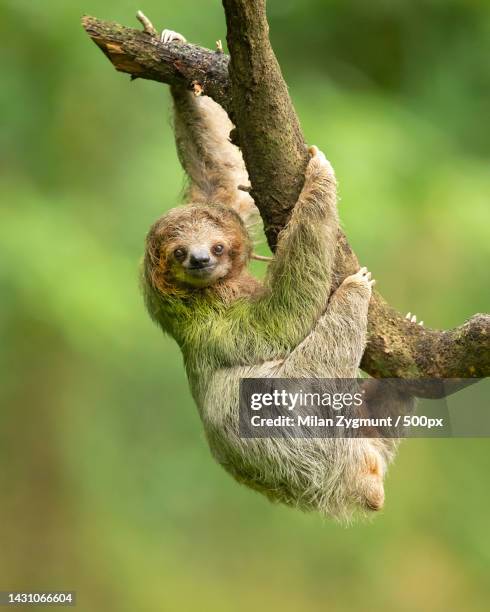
(196, 246)
(200, 260)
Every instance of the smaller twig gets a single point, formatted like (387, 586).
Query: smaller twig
(148, 27)
(246, 188)
(261, 257)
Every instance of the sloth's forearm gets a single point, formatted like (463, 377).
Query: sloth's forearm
(187, 127)
(300, 277)
(214, 165)
(299, 285)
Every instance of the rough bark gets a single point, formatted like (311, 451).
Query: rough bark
(268, 131)
(141, 55)
(267, 127)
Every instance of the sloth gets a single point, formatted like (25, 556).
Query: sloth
(231, 326)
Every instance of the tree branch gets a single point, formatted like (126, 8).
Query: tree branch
(141, 55)
(270, 137)
(267, 127)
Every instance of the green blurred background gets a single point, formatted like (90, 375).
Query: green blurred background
(107, 486)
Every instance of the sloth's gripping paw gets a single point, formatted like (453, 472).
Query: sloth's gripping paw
(318, 161)
(168, 36)
(314, 151)
(361, 279)
(413, 318)
(318, 193)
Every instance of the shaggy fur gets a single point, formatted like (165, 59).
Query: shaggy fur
(236, 327)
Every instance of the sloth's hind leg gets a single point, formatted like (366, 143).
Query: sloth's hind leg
(334, 347)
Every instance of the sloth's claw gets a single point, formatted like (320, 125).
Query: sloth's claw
(413, 318)
(168, 36)
(363, 278)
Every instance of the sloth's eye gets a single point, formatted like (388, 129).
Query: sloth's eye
(218, 249)
(179, 254)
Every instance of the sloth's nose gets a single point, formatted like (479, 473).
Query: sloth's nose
(199, 259)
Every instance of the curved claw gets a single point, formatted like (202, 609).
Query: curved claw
(413, 318)
(363, 276)
(168, 36)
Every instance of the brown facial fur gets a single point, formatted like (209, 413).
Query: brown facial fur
(197, 224)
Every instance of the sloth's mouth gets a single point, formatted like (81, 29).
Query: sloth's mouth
(199, 270)
(199, 276)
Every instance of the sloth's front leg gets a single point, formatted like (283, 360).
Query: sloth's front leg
(299, 278)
